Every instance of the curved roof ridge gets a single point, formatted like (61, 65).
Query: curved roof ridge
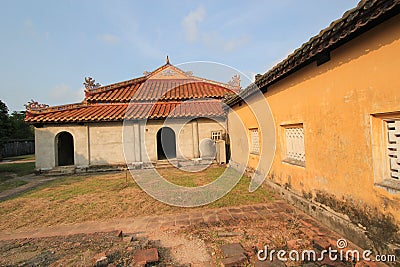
(105, 88)
(367, 13)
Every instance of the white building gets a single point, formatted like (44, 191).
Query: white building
(167, 113)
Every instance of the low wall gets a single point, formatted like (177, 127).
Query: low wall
(18, 148)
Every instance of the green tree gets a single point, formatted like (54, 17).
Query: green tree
(5, 126)
(20, 129)
(5, 123)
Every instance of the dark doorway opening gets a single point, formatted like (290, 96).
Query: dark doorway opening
(65, 149)
(166, 143)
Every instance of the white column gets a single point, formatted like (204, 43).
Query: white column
(143, 151)
(129, 141)
(88, 144)
(137, 142)
(195, 137)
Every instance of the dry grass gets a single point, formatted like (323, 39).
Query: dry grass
(191, 179)
(75, 199)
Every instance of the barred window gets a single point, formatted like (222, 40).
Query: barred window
(255, 141)
(393, 130)
(216, 135)
(294, 137)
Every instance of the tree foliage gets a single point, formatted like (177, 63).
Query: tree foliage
(5, 123)
(13, 126)
(21, 130)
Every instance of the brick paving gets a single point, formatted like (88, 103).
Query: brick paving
(277, 209)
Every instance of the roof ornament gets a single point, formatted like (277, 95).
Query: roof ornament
(90, 83)
(168, 72)
(235, 82)
(167, 60)
(34, 105)
(145, 73)
(189, 73)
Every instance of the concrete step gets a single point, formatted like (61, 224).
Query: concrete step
(61, 170)
(166, 163)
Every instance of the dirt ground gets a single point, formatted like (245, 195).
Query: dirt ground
(194, 245)
(78, 199)
(84, 249)
(70, 250)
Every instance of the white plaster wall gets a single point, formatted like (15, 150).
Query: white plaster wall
(184, 135)
(106, 143)
(45, 145)
(206, 126)
(102, 143)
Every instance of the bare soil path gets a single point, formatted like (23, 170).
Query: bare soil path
(32, 180)
(194, 238)
(16, 161)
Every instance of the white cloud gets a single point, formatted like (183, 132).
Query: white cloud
(110, 39)
(236, 43)
(190, 24)
(32, 31)
(213, 39)
(65, 94)
(129, 28)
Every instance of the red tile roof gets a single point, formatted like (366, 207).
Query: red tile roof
(154, 96)
(119, 111)
(153, 90)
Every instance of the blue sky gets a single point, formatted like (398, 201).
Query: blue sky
(48, 47)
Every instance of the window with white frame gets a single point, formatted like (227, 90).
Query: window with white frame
(216, 135)
(255, 141)
(393, 142)
(294, 139)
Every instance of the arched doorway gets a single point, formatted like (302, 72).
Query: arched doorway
(166, 143)
(65, 149)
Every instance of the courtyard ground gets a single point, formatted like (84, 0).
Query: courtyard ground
(73, 221)
(99, 197)
(13, 169)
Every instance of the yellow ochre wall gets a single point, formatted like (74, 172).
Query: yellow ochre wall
(335, 102)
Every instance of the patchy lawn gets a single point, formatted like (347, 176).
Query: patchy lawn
(9, 184)
(12, 170)
(191, 179)
(100, 197)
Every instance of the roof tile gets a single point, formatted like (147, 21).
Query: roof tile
(153, 90)
(133, 111)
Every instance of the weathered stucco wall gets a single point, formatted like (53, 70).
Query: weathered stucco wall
(184, 135)
(106, 143)
(45, 145)
(102, 143)
(338, 104)
(239, 124)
